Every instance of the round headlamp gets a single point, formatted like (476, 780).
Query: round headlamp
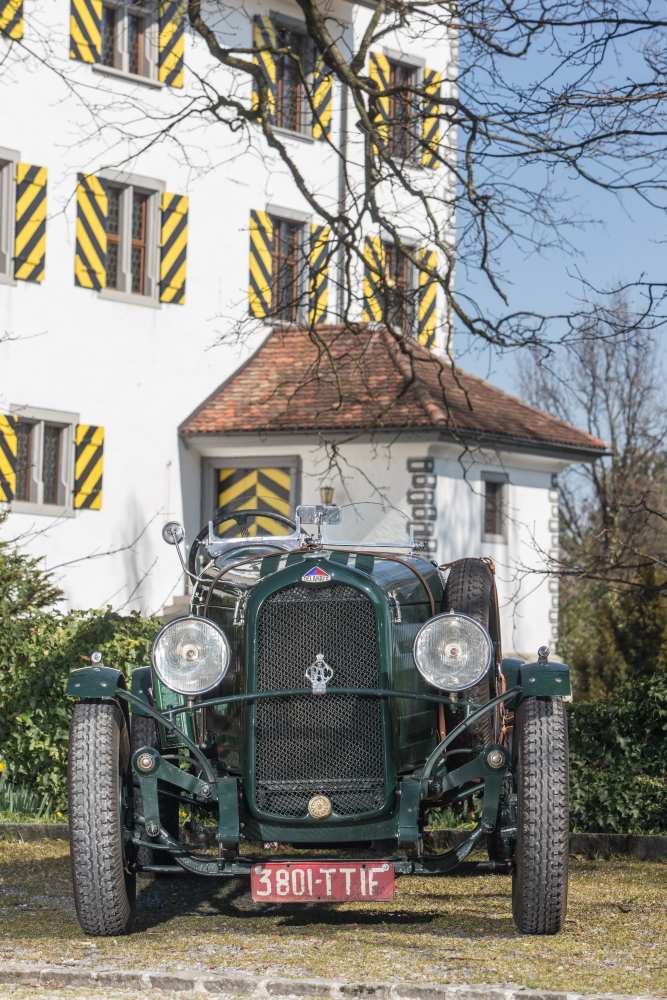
(453, 652)
(191, 655)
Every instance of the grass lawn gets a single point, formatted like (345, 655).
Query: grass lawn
(455, 929)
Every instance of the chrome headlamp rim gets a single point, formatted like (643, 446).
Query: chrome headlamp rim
(485, 632)
(198, 619)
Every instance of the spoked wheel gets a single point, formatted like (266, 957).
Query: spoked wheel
(144, 733)
(100, 795)
(539, 880)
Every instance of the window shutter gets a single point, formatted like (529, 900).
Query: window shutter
(30, 228)
(173, 248)
(378, 70)
(318, 276)
(260, 286)
(264, 37)
(11, 20)
(85, 30)
(171, 42)
(8, 448)
(88, 466)
(374, 265)
(431, 130)
(322, 100)
(427, 313)
(90, 261)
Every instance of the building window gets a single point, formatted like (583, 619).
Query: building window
(293, 70)
(403, 116)
(44, 460)
(132, 238)
(494, 493)
(129, 36)
(7, 212)
(289, 268)
(400, 288)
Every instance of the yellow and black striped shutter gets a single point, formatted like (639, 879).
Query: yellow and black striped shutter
(378, 70)
(427, 312)
(171, 42)
(322, 100)
(431, 130)
(85, 30)
(30, 229)
(260, 283)
(173, 248)
(318, 278)
(90, 260)
(11, 21)
(373, 283)
(88, 467)
(266, 488)
(8, 449)
(263, 41)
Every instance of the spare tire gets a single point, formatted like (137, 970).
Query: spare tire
(470, 589)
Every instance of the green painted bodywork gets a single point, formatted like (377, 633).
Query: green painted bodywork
(100, 683)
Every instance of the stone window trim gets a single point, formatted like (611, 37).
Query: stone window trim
(124, 10)
(67, 421)
(8, 160)
(128, 183)
(498, 495)
(209, 465)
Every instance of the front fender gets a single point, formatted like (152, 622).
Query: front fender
(539, 679)
(99, 683)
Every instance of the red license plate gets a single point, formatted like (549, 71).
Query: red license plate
(326, 881)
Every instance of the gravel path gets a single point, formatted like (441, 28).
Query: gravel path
(452, 930)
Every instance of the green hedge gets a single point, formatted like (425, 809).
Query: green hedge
(618, 750)
(34, 712)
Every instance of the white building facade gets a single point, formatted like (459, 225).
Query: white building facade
(132, 274)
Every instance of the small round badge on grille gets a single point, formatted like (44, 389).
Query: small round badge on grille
(319, 807)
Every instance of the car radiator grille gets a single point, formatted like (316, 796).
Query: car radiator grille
(328, 744)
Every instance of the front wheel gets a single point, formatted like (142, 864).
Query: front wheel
(99, 798)
(539, 880)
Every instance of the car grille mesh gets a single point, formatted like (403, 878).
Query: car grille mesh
(328, 744)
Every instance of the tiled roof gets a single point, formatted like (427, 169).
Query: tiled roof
(339, 379)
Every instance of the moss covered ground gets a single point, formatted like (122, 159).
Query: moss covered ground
(451, 930)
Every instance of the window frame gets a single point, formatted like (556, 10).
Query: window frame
(67, 422)
(282, 22)
(413, 157)
(150, 56)
(500, 479)
(128, 184)
(8, 160)
(280, 216)
(409, 300)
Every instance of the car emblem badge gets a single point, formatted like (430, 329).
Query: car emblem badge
(316, 575)
(319, 807)
(319, 674)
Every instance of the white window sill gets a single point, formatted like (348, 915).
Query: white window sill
(494, 540)
(288, 133)
(40, 509)
(6, 279)
(129, 298)
(147, 81)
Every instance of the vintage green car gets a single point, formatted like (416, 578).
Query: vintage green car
(298, 727)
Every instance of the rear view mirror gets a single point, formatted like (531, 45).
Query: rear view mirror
(318, 514)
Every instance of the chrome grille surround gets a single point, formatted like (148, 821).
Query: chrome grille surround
(327, 744)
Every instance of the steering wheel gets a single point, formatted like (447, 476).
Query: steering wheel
(241, 517)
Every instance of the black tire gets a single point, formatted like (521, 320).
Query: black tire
(469, 589)
(539, 880)
(99, 793)
(144, 733)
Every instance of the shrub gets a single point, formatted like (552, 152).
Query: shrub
(618, 749)
(34, 712)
